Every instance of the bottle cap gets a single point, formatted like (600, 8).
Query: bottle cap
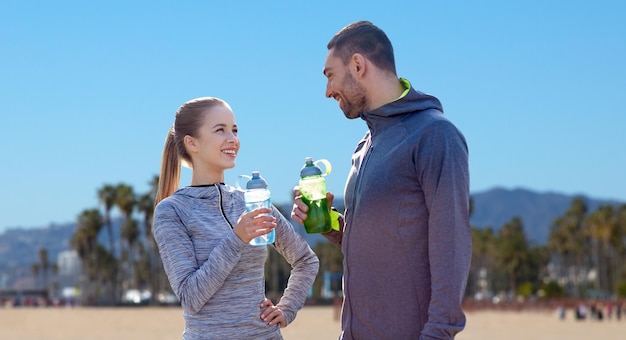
(256, 182)
(310, 169)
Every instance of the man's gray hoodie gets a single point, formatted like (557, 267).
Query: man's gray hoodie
(407, 239)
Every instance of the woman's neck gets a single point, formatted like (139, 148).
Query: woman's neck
(204, 179)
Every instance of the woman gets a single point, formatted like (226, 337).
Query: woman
(203, 234)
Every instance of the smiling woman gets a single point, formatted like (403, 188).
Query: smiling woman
(203, 233)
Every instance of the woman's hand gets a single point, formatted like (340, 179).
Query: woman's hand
(272, 314)
(255, 223)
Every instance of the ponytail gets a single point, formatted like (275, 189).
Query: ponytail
(189, 118)
(169, 179)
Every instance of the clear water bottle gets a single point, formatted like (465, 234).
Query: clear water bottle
(256, 196)
(312, 187)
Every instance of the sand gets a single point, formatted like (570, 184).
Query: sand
(313, 322)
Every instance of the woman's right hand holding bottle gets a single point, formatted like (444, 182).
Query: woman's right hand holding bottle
(255, 223)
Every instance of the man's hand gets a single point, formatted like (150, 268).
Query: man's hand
(299, 209)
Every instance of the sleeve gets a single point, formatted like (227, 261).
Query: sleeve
(305, 264)
(194, 284)
(335, 236)
(444, 176)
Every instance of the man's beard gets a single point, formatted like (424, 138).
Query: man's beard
(353, 98)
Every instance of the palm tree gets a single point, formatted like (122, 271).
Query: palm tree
(512, 250)
(569, 242)
(84, 241)
(45, 266)
(603, 229)
(107, 197)
(483, 242)
(130, 233)
(621, 246)
(125, 202)
(331, 266)
(145, 205)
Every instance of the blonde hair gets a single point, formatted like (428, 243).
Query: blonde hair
(188, 120)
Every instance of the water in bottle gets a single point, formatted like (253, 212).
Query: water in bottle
(257, 196)
(312, 187)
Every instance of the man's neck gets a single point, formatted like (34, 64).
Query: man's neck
(384, 91)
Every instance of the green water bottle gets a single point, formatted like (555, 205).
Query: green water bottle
(312, 187)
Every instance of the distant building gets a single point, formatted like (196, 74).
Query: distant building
(4, 280)
(68, 263)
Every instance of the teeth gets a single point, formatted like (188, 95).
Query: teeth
(232, 152)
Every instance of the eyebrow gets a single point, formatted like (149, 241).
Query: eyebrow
(222, 125)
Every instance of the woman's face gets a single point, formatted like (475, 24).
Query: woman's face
(217, 144)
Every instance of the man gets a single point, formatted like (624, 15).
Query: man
(406, 237)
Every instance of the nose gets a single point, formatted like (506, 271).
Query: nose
(232, 138)
(329, 91)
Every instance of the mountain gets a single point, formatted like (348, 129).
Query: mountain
(496, 207)
(492, 208)
(21, 246)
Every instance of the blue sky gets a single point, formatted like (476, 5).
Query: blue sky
(89, 90)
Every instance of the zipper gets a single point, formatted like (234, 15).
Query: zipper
(366, 157)
(369, 147)
(219, 194)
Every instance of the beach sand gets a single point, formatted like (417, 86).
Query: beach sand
(313, 322)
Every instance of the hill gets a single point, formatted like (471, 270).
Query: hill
(496, 207)
(21, 246)
(492, 208)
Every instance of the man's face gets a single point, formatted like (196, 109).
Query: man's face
(343, 87)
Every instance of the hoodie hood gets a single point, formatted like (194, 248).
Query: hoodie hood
(216, 197)
(412, 103)
(209, 192)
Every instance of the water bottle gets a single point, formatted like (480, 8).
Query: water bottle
(312, 187)
(256, 196)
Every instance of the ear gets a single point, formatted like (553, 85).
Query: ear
(358, 65)
(190, 144)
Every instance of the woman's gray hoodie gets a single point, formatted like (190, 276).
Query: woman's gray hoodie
(218, 278)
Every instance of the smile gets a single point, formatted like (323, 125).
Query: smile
(230, 152)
